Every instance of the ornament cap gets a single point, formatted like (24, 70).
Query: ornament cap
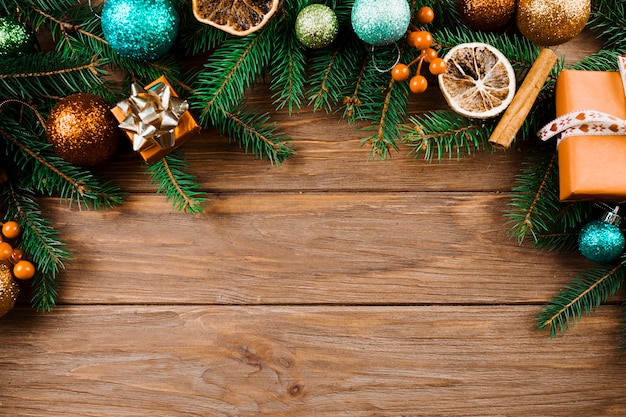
(611, 217)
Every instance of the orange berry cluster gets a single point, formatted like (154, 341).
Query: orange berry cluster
(22, 269)
(422, 40)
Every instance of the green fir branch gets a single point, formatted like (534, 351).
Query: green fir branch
(178, 186)
(603, 60)
(288, 72)
(444, 132)
(586, 292)
(228, 73)
(521, 52)
(534, 201)
(331, 67)
(199, 39)
(608, 19)
(48, 74)
(39, 240)
(52, 175)
(255, 133)
(384, 105)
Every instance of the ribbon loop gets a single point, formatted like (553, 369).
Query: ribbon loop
(151, 116)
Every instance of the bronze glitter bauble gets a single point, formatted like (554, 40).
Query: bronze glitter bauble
(486, 15)
(552, 22)
(8, 288)
(82, 130)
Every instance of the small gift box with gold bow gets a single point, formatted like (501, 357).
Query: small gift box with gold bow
(591, 122)
(155, 119)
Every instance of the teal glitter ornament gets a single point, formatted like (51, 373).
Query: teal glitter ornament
(602, 240)
(15, 39)
(316, 26)
(142, 30)
(380, 22)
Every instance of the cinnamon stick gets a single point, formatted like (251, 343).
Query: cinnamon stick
(522, 102)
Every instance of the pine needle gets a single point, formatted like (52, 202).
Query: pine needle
(585, 293)
(178, 187)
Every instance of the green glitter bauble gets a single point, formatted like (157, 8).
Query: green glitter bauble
(15, 39)
(380, 22)
(316, 26)
(601, 242)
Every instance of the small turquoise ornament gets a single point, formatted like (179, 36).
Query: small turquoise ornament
(15, 39)
(602, 240)
(142, 30)
(316, 26)
(380, 22)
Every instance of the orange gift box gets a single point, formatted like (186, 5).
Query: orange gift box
(591, 167)
(186, 128)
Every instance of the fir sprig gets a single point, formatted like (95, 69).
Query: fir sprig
(608, 17)
(256, 133)
(48, 74)
(228, 73)
(519, 50)
(288, 74)
(38, 239)
(178, 186)
(443, 132)
(582, 295)
(534, 202)
(384, 104)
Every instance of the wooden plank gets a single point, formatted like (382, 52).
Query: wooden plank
(328, 156)
(307, 361)
(336, 248)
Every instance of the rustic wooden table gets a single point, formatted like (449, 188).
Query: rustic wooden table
(332, 285)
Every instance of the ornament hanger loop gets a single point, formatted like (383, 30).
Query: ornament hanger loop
(92, 10)
(373, 57)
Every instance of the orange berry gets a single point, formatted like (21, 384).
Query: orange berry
(11, 229)
(400, 72)
(425, 15)
(437, 66)
(24, 270)
(430, 54)
(422, 40)
(6, 250)
(410, 39)
(418, 84)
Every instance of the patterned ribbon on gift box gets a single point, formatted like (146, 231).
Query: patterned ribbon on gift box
(587, 122)
(152, 116)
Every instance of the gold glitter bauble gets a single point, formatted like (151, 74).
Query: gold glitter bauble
(552, 22)
(82, 130)
(8, 288)
(486, 15)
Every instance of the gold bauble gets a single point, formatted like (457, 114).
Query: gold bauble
(552, 22)
(486, 15)
(82, 130)
(9, 289)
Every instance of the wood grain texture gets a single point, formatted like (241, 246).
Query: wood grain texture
(334, 285)
(307, 361)
(331, 248)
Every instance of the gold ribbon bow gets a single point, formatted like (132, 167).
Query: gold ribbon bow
(152, 115)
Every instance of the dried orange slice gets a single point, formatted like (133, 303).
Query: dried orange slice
(237, 17)
(479, 81)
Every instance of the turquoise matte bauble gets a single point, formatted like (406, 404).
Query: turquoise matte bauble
(142, 30)
(380, 22)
